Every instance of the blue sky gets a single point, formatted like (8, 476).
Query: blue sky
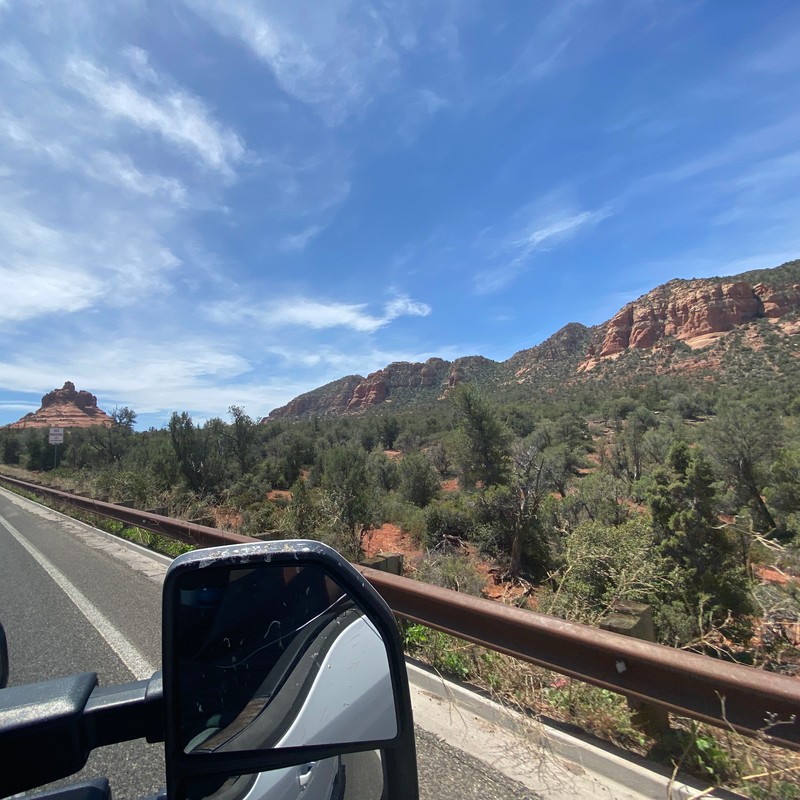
(217, 202)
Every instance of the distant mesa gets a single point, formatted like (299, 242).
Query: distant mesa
(65, 408)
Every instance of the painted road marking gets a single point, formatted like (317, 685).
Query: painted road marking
(139, 666)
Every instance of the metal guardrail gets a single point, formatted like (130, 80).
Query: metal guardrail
(751, 701)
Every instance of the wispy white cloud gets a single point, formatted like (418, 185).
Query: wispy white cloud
(780, 55)
(555, 228)
(110, 261)
(194, 373)
(187, 361)
(535, 62)
(309, 313)
(330, 55)
(405, 307)
(174, 114)
(17, 58)
(114, 169)
(119, 170)
(19, 407)
(547, 223)
(740, 148)
(35, 277)
(45, 291)
(139, 62)
(564, 36)
(84, 226)
(336, 362)
(340, 56)
(294, 242)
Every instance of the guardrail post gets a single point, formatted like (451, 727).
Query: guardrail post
(385, 562)
(394, 562)
(636, 620)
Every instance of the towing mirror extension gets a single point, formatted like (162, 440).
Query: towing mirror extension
(47, 730)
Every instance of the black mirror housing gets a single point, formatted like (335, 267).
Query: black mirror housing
(252, 634)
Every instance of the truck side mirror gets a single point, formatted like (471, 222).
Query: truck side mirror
(279, 659)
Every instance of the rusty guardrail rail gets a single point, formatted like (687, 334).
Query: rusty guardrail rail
(748, 700)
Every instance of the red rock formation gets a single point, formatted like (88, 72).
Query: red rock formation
(65, 408)
(331, 398)
(455, 377)
(369, 392)
(379, 385)
(778, 302)
(472, 369)
(686, 310)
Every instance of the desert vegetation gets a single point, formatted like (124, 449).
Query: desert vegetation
(679, 494)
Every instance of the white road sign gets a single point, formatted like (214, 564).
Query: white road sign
(56, 436)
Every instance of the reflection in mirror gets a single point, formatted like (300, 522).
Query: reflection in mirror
(270, 656)
(355, 776)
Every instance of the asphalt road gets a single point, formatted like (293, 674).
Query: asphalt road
(48, 636)
(70, 606)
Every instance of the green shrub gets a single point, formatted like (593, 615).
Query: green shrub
(451, 571)
(447, 518)
(419, 481)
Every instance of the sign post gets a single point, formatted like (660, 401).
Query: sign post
(56, 438)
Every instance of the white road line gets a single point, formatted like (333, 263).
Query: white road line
(139, 666)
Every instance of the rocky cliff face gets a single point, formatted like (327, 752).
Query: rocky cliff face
(697, 313)
(356, 393)
(380, 385)
(473, 369)
(685, 311)
(329, 399)
(560, 350)
(65, 408)
(694, 312)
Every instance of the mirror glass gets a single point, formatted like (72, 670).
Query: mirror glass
(272, 656)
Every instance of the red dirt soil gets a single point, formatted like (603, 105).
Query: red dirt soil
(771, 575)
(389, 538)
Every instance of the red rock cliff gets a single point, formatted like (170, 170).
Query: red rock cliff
(378, 386)
(690, 309)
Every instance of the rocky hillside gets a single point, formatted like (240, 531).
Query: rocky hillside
(696, 327)
(398, 384)
(65, 408)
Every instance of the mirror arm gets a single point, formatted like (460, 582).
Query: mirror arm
(66, 719)
(121, 713)
(41, 736)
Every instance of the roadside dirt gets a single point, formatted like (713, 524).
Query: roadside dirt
(389, 538)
